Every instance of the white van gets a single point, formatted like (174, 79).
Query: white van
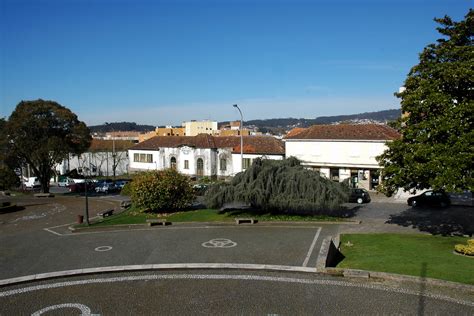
(32, 183)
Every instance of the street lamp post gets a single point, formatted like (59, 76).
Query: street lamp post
(241, 138)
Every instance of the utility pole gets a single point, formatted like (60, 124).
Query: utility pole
(241, 139)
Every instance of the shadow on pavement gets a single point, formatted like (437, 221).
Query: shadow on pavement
(455, 220)
(345, 212)
(11, 209)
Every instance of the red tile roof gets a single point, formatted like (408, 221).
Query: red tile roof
(252, 144)
(348, 132)
(295, 131)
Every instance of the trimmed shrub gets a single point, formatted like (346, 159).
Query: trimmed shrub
(164, 190)
(281, 186)
(127, 189)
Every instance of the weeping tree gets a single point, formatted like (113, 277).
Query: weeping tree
(280, 186)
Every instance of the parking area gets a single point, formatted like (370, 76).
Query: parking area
(285, 245)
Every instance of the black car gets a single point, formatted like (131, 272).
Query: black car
(430, 198)
(360, 196)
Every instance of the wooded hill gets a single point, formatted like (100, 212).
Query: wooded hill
(277, 125)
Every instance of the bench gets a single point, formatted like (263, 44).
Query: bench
(106, 213)
(245, 220)
(39, 195)
(156, 221)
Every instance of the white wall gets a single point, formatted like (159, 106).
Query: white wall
(237, 161)
(359, 154)
(210, 157)
(102, 161)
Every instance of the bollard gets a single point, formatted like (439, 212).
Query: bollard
(80, 219)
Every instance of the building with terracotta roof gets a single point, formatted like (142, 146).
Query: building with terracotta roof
(203, 155)
(342, 151)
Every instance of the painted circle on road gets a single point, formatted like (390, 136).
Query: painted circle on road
(85, 311)
(219, 243)
(103, 248)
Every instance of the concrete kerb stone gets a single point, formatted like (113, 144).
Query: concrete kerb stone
(148, 267)
(145, 225)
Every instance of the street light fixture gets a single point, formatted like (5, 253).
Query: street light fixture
(241, 138)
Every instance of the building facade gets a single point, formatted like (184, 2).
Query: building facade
(194, 128)
(103, 158)
(341, 152)
(202, 155)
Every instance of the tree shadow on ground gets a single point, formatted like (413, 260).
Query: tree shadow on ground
(344, 212)
(10, 209)
(455, 220)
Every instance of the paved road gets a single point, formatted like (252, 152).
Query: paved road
(31, 242)
(226, 293)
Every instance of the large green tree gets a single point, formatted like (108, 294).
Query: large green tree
(42, 133)
(280, 186)
(436, 148)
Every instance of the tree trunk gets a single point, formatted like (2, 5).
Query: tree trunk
(44, 178)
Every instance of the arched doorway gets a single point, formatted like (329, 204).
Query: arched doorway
(200, 167)
(173, 163)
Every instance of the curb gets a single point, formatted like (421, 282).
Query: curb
(147, 267)
(262, 223)
(364, 274)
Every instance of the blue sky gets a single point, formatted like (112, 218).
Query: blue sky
(163, 62)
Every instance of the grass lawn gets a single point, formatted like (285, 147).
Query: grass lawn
(418, 255)
(132, 216)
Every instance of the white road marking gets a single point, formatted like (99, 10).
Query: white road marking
(52, 232)
(85, 311)
(233, 277)
(219, 243)
(103, 248)
(311, 248)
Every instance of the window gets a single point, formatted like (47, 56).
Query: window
(247, 163)
(143, 158)
(173, 163)
(186, 164)
(223, 164)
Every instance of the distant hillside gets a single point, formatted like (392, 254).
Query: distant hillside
(121, 126)
(280, 124)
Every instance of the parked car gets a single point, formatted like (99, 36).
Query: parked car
(65, 182)
(430, 198)
(106, 187)
(360, 196)
(121, 183)
(80, 187)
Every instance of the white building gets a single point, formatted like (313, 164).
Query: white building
(342, 151)
(102, 157)
(202, 155)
